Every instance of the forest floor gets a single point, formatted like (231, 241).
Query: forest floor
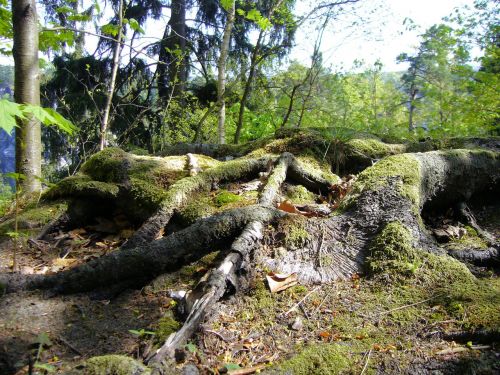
(353, 326)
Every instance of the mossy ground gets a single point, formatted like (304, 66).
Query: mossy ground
(396, 313)
(32, 218)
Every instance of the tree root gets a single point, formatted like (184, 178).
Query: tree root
(215, 283)
(181, 191)
(487, 257)
(394, 189)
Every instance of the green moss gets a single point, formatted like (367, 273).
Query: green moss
(166, 326)
(261, 297)
(298, 194)
(33, 218)
(82, 185)
(476, 302)
(225, 197)
(292, 229)
(373, 148)
(109, 165)
(114, 365)
(392, 253)
(319, 360)
(145, 194)
(404, 167)
(199, 207)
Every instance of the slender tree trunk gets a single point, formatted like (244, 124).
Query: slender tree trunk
(254, 62)
(413, 95)
(221, 82)
(248, 86)
(27, 90)
(290, 105)
(112, 83)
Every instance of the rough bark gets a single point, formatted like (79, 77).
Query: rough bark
(215, 284)
(180, 192)
(395, 189)
(173, 68)
(27, 91)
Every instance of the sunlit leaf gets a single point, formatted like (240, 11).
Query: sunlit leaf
(8, 113)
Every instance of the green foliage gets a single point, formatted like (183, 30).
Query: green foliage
(9, 111)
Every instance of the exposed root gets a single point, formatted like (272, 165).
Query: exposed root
(215, 284)
(486, 257)
(181, 191)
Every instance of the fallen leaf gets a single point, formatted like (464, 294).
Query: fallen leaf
(278, 282)
(325, 335)
(245, 371)
(288, 207)
(458, 349)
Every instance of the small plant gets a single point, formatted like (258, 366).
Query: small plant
(141, 333)
(43, 341)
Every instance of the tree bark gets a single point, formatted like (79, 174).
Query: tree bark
(111, 88)
(173, 70)
(27, 91)
(221, 82)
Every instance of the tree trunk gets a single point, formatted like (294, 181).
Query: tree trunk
(248, 87)
(221, 82)
(172, 76)
(27, 90)
(111, 88)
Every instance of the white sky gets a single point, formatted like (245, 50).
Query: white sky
(379, 34)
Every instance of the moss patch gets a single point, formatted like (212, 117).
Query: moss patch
(166, 326)
(373, 148)
(292, 229)
(82, 185)
(109, 165)
(114, 365)
(224, 197)
(405, 168)
(319, 359)
(33, 217)
(298, 194)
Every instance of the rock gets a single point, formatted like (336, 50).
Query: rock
(297, 325)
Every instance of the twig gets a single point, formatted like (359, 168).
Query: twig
(406, 306)
(217, 334)
(366, 362)
(69, 345)
(298, 303)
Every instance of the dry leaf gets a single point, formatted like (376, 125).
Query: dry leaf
(325, 335)
(288, 207)
(278, 282)
(66, 262)
(245, 371)
(458, 349)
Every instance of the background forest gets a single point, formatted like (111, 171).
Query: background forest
(166, 89)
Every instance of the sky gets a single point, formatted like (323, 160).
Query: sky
(372, 31)
(382, 35)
